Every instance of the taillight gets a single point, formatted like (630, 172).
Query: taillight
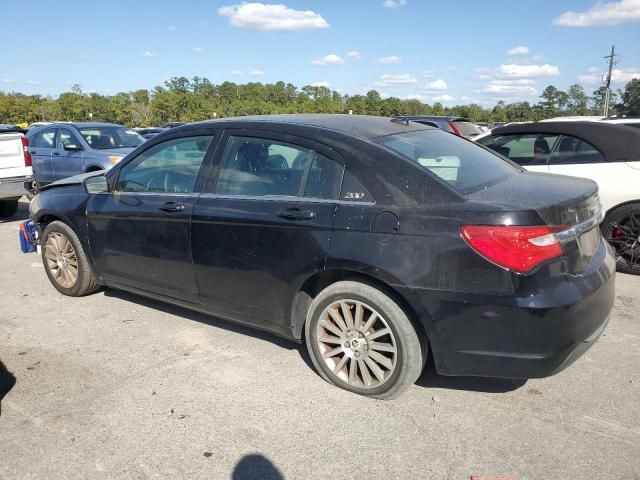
(454, 128)
(517, 248)
(27, 155)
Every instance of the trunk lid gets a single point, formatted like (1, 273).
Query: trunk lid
(557, 200)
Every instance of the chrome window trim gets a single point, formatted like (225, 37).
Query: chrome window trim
(283, 198)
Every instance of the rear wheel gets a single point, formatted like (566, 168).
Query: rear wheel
(359, 339)
(65, 262)
(621, 228)
(8, 207)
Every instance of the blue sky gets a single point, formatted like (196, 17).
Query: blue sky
(454, 52)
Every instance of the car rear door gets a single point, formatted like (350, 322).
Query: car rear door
(66, 163)
(41, 146)
(263, 223)
(140, 232)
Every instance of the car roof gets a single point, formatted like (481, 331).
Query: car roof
(363, 126)
(616, 142)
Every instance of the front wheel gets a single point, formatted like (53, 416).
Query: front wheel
(359, 339)
(65, 262)
(621, 228)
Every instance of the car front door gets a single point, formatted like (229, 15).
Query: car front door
(41, 145)
(263, 223)
(66, 162)
(140, 231)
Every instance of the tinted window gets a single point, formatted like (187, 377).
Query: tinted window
(574, 150)
(323, 178)
(104, 138)
(460, 163)
(67, 137)
(169, 167)
(530, 149)
(43, 139)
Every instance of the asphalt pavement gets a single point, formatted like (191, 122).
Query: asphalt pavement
(114, 386)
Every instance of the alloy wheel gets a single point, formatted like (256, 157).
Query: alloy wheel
(624, 237)
(356, 344)
(61, 259)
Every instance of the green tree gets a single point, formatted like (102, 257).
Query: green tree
(578, 103)
(630, 99)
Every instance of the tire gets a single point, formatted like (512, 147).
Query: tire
(621, 228)
(62, 256)
(402, 351)
(8, 207)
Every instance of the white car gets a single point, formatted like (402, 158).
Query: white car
(602, 151)
(16, 173)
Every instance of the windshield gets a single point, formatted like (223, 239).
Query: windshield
(104, 138)
(462, 164)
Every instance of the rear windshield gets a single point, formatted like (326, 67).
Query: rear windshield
(467, 129)
(462, 164)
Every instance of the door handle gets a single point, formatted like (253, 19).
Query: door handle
(32, 152)
(56, 153)
(296, 214)
(172, 207)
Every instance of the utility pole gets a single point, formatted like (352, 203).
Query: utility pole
(607, 93)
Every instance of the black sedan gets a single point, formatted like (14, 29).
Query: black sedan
(370, 239)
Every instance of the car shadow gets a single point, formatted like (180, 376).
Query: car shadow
(209, 320)
(256, 467)
(7, 381)
(430, 378)
(21, 214)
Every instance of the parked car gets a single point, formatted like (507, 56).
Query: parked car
(604, 152)
(173, 124)
(15, 169)
(61, 150)
(372, 240)
(151, 132)
(457, 125)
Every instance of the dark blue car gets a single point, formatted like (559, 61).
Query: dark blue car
(60, 150)
(456, 125)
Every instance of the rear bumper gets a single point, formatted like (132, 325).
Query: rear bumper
(14, 187)
(537, 332)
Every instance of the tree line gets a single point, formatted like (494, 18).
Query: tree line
(188, 100)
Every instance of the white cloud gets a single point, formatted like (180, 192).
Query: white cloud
(34, 82)
(609, 13)
(353, 55)
(619, 76)
(518, 51)
(198, 49)
(331, 59)
(514, 81)
(397, 80)
(392, 60)
(482, 73)
(272, 17)
(236, 72)
(505, 88)
(443, 98)
(512, 70)
(8, 80)
(394, 3)
(415, 96)
(438, 85)
(320, 84)
(171, 28)
(147, 53)
(593, 69)
(256, 73)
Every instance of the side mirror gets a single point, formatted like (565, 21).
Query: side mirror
(72, 147)
(96, 184)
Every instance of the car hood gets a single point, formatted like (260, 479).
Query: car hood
(75, 180)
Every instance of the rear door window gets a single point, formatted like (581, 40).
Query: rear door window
(525, 150)
(44, 139)
(572, 150)
(462, 164)
(261, 167)
(467, 129)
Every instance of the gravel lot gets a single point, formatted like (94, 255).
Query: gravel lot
(117, 386)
